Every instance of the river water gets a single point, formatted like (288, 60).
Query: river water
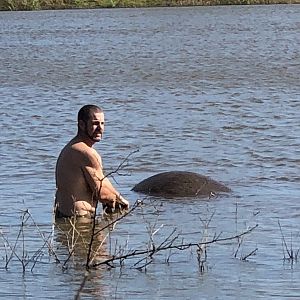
(213, 90)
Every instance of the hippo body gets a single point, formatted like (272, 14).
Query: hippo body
(180, 184)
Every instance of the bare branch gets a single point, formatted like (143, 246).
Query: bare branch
(292, 255)
(182, 246)
(250, 254)
(122, 164)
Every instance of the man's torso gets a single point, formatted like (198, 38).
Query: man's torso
(73, 195)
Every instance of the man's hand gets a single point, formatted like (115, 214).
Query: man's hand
(118, 205)
(122, 202)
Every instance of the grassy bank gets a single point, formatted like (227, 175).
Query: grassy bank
(67, 4)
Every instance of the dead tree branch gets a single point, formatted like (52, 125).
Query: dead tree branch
(170, 245)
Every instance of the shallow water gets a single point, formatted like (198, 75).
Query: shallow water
(217, 94)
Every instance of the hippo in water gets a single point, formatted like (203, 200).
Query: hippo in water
(180, 184)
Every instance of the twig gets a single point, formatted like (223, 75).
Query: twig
(50, 248)
(121, 165)
(291, 254)
(181, 246)
(93, 234)
(240, 241)
(134, 206)
(253, 252)
(77, 296)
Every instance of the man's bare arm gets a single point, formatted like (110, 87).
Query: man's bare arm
(100, 185)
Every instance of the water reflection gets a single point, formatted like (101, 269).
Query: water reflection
(79, 240)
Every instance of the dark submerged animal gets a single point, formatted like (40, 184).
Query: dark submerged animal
(180, 184)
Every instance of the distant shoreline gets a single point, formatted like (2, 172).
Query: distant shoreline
(16, 5)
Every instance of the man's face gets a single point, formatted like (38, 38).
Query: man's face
(94, 127)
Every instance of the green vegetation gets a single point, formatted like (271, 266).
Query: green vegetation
(69, 4)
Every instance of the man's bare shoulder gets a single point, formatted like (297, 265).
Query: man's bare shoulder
(88, 154)
(78, 147)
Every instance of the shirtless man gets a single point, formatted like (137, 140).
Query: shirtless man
(80, 181)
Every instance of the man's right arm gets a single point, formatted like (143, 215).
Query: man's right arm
(100, 185)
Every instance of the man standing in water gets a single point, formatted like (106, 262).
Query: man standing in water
(80, 181)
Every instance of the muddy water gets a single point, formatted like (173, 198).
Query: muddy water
(213, 90)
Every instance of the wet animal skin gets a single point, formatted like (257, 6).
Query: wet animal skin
(180, 184)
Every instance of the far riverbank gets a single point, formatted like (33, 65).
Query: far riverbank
(12, 5)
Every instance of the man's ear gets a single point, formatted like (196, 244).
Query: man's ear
(81, 125)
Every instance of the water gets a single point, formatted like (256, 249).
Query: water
(213, 90)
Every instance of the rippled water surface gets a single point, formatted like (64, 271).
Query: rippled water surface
(213, 90)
